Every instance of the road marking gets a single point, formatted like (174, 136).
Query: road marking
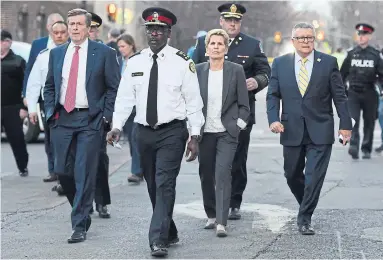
(272, 217)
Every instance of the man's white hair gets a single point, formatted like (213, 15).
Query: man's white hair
(302, 25)
(52, 18)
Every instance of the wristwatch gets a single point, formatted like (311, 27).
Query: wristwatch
(196, 137)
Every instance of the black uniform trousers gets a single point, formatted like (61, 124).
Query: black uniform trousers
(76, 147)
(368, 102)
(239, 168)
(13, 128)
(47, 141)
(102, 196)
(306, 187)
(161, 152)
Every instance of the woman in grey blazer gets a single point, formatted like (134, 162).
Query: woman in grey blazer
(226, 110)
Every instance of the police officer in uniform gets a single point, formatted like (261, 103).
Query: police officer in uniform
(162, 82)
(35, 85)
(94, 25)
(247, 51)
(361, 68)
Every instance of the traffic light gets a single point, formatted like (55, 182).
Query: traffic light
(277, 37)
(320, 35)
(111, 10)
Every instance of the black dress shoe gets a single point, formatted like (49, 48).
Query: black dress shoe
(159, 250)
(234, 214)
(379, 149)
(77, 237)
(102, 211)
(354, 153)
(307, 230)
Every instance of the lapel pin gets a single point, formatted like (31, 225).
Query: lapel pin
(318, 59)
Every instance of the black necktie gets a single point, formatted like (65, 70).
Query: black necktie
(151, 106)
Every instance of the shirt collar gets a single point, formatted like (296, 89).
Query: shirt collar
(309, 58)
(83, 46)
(162, 54)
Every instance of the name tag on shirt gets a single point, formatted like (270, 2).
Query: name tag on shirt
(241, 56)
(136, 74)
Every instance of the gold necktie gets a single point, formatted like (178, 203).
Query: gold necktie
(303, 77)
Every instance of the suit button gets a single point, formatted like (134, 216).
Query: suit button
(226, 57)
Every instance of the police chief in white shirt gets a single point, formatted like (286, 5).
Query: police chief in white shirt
(162, 83)
(35, 85)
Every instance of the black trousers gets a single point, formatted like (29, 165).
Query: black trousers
(239, 168)
(161, 152)
(102, 195)
(306, 187)
(367, 102)
(47, 141)
(13, 128)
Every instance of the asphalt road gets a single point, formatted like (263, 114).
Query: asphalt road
(348, 220)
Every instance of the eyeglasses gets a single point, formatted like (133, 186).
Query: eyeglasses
(304, 39)
(160, 30)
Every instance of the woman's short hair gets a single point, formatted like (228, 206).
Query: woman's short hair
(218, 32)
(127, 38)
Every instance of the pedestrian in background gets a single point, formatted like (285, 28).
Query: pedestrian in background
(12, 76)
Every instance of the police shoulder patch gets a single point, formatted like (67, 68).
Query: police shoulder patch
(44, 50)
(192, 66)
(183, 55)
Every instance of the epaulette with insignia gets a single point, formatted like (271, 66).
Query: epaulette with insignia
(44, 50)
(135, 54)
(183, 55)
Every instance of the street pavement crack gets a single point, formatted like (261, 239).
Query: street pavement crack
(264, 250)
(332, 188)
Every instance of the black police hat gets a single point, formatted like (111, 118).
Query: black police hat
(5, 35)
(364, 28)
(159, 16)
(96, 20)
(232, 10)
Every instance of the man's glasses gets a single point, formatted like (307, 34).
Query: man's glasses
(304, 39)
(160, 30)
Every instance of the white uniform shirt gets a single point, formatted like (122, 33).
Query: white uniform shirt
(36, 80)
(81, 97)
(214, 103)
(309, 65)
(178, 90)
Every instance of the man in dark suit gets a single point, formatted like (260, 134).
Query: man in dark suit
(246, 51)
(307, 82)
(79, 97)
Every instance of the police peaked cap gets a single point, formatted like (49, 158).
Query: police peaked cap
(232, 10)
(96, 20)
(159, 16)
(364, 27)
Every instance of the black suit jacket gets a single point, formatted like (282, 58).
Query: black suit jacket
(314, 109)
(102, 81)
(248, 52)
(235, 101)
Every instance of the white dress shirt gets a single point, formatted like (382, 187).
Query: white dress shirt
(178, 90)
(36, 80)
(81, 97)
(309, 64)
(50, 44)
(214, 103)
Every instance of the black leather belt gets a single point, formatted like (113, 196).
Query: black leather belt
(157, 127)
(78, 109)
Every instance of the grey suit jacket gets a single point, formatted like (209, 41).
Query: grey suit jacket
(235, 99)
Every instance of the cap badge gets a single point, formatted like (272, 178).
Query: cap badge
(155, 16)
(233, 8)
(361, 27)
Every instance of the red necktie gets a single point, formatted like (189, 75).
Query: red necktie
(70, 96)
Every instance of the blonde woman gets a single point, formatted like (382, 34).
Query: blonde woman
(226, 109)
